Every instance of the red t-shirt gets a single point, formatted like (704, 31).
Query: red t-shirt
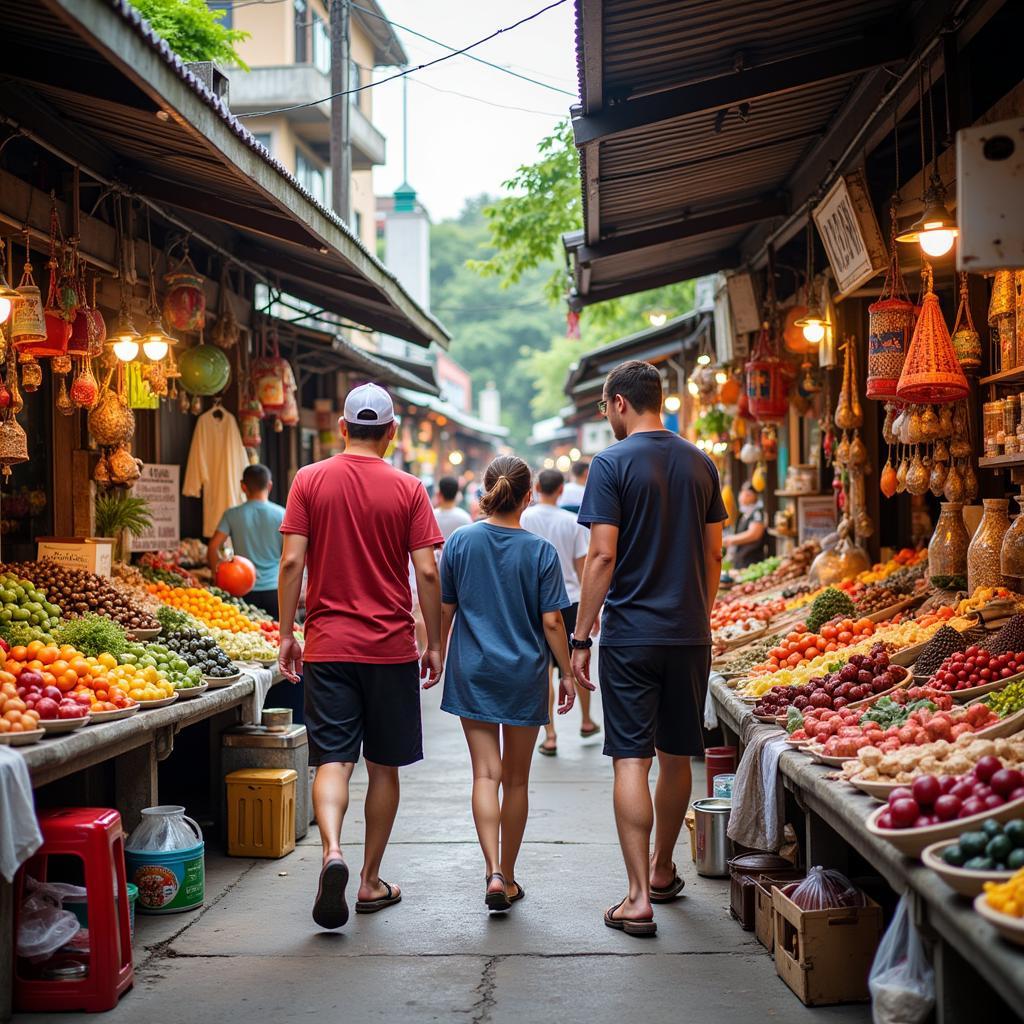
(362, 518)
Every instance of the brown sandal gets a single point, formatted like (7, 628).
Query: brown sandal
(631, 926)
(372, 906)
(670, 892)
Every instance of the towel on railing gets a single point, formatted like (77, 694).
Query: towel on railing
(758, 816)
(19, 831)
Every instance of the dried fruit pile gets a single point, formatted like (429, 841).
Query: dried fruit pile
(964, 670)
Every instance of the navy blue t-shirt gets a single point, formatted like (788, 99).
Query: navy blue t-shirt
(660, 491)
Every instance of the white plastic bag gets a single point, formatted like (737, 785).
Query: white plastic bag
(44, 926)
(902, 981)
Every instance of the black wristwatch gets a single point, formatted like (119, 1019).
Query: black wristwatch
(580, 645)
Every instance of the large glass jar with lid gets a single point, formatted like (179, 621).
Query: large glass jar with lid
(947, 551)
(983, 554)
(1012, 553)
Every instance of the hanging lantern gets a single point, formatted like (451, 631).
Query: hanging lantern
(88, 329)
(205, 370)
(767, 382)
(84, 388)
(931, 373)
(185, 300)
(13, 444)
(890, 326)
(31, 373)
(28, 322)
(966, 340)
(249, 423)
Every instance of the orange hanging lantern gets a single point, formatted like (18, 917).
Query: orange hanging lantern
(767, 381)
(185, 300)
(931, 373)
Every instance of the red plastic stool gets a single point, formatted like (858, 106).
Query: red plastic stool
(94, 835)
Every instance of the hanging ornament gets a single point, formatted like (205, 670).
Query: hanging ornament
(28, 322)
(931, 372)
(31, 373)
(225, 331)
(887, 481)
(13, 444)
(65, 406)
(767, 383)
(966, 340)
(184, 300)
(204, 370)
(84, 388)
(196, 407)
(249, 423)
(937, 477)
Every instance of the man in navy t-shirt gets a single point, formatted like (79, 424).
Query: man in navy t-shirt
(654, 507)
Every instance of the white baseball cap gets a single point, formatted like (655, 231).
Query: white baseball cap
(369, 399)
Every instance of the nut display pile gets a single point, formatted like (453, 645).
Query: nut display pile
(1009, 638)
(77, 592)
(946, 641)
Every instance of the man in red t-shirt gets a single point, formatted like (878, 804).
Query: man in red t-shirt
(353, 521)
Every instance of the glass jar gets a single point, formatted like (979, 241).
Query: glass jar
(1011, 414)
(1011, 557)
(983, 554)
(947, 551)
(1010, 445)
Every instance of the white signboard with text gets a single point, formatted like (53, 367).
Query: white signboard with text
(849, 231)
(159, 485)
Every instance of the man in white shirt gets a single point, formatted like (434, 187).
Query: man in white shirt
(559, 527)
(572, 493)
(449, 516)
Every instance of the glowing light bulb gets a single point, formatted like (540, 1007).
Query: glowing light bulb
(455, 458)
(657, 319)
(126, 349)
(5, 309)
(574, 454)
(155, 349)
(936, 241)
(691, 386)
(703, 359)
(673, 403)
(814, 332)
(563, 463)
(721, 377)
(549, 463)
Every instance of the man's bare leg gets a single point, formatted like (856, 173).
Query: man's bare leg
(380, 808)
(330, 803)
(550, 742)
(671, 799)
(634, 819)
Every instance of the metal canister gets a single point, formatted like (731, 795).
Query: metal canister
(714, 848)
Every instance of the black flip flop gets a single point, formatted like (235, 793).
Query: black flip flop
(520, 893)
(497, 901)
(631, 926)
(670, 892)
(372, 906)
(548, 751)
(593, 732)
(330, 909)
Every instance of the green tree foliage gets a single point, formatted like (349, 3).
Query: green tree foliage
(193, 30)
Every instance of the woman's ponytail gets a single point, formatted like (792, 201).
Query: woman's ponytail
(507, 480)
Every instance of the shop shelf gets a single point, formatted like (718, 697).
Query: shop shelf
(1001, 461)
(1014, 376)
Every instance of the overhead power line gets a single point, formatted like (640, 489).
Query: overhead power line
(480, 99)
(407, 71)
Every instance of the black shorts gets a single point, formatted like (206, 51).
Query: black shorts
(569, 619)
(352, 706)
(653, 698)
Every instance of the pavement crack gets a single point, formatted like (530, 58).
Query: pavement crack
(485, 1001)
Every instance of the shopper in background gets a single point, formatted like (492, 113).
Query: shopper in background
(354, 521)
(749, 542)
(450, 516)
(570, 540)
(502, 595)
(655, 512)
(254, 530)
(573, 493)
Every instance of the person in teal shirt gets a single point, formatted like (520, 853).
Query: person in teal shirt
(254, 529)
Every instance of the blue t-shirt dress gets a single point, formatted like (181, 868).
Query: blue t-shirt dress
(502, 581)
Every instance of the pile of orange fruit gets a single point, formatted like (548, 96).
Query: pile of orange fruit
(206, 607)
(71, 672)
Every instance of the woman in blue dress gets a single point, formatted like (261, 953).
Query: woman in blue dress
(502, 595)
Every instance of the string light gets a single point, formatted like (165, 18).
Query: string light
(673, 403)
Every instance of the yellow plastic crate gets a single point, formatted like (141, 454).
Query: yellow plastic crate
(261, 812)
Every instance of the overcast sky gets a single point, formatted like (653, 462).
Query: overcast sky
(460, 147)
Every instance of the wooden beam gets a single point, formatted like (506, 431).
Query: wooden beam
(592, 17)
(590, 165)
(747, 85)
(686, 227)
(710, 264)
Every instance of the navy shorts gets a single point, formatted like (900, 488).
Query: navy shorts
(352, 706)
(653, 698)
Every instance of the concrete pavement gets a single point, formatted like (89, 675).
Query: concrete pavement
(253, 953)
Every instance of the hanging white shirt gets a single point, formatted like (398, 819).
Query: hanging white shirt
(216, 462)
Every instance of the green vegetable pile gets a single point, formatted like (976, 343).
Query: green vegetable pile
(994, 847)
(250, 611)
(1007, 701)
(754, 653)
(182, 675)
(757, 570)
(827, 606)
(21, 634)
(22, 601)
(174, 621)
(92, 635)
(887, 712)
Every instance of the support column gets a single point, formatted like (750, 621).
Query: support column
(135, 783)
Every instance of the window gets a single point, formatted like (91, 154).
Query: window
(310, 176)
(357, 223)
(301, 32)
(355, 78)
(227, 17)
(321, 46)
(264, 139)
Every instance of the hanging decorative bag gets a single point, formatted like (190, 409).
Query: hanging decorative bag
(269, 379)
(13, 444)
(225, 332)
(767, 381)
(966, 340)
(249, 417)
(931, 372)
(185, 300)
(890, 327)
(28, 322)
(88, 329)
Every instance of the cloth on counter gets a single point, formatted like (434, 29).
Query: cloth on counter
(215, 465)
(757, 819)
(19, 832)
(252, 709)
(710, 711)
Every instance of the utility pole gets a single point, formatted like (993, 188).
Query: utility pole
(341, 126)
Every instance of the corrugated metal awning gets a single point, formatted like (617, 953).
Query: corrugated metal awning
(89, 78)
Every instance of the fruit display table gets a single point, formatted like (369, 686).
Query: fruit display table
(971, 961)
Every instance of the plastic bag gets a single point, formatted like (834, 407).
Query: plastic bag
(824, 889)
(902, 981)
(43, 925)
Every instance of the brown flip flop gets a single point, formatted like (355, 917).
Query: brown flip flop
(372, 906)
(330, 909)
(670, 892)
(644, 926)
(548, 751)
(497, 902)
(587, 733)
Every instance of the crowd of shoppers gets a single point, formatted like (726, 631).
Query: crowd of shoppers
(514, 595)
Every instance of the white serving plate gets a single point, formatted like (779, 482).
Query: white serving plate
(148, 705)
(188, 692)
(215, 682)
(59, 726)
(911, 841)
(21, 739)
(1011, 928)
(142, 635)
(962, 880)
(99, 717)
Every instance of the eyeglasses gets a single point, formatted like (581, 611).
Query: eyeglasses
(602, 406)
